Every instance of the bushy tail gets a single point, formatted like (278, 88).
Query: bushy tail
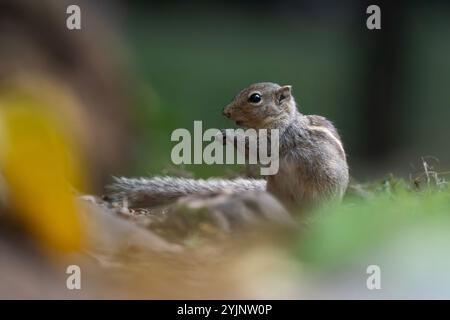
(143, 192)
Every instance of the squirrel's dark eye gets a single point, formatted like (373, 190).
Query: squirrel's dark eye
(254, 98)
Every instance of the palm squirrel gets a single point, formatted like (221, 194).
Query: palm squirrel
(312, 161)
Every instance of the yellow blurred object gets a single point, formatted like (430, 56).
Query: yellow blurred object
(40, 167)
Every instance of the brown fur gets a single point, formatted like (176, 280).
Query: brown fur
(313, 166)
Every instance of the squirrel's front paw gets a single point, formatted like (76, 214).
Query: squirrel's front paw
(221, 137)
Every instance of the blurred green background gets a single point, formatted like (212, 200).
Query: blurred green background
(142, 69)
(386, 90)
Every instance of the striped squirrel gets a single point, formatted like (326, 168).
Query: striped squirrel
(312, 162)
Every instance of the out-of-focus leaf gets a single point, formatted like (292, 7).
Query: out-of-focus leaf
(40, 167)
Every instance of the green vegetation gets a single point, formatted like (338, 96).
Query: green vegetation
(372, 217)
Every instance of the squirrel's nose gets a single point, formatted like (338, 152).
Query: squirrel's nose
(226, 113)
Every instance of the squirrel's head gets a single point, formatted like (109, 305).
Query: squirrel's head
(262, 105)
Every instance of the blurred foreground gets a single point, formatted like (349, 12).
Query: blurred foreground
(402, 227)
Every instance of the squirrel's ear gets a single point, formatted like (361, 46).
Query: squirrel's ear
(284, 93)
